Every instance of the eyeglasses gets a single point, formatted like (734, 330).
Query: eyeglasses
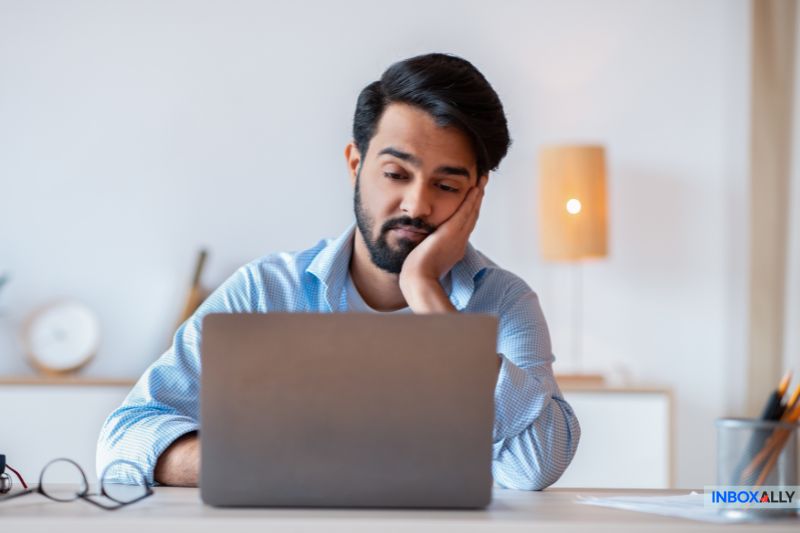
(63, 480)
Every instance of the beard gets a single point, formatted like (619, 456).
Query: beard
(383, 255)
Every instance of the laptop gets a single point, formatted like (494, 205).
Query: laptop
(347, 410)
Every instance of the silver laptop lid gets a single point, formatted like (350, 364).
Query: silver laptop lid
(347, 409)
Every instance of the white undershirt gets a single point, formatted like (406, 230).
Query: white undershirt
(355, 303)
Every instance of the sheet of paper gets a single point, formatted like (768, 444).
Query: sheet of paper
(684, 506)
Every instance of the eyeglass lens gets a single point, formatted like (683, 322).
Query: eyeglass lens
(124, 482)
(63, 480)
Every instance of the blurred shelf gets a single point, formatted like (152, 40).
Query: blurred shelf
(598, 383)
(580, 381)
(66, 380)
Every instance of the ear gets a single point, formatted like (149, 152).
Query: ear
(353, 158)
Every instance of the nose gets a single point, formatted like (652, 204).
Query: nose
(417, 201)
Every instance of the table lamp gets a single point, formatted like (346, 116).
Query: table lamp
(573, 216)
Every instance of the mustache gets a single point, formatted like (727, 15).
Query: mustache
(400, 222)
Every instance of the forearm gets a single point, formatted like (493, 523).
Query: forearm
(536, 457)
(426, 296)
(536, 431)
(179, 465)
(138, 434)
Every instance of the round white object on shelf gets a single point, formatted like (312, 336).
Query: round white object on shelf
(62, 336)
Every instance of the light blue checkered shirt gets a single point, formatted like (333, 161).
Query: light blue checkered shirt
(535, 430)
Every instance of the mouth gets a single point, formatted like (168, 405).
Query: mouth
(410, 233)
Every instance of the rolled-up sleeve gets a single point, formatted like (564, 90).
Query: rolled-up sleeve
(164, 403)
(536, 432)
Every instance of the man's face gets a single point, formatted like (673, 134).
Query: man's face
(414, 176)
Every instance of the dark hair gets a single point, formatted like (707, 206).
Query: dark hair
(450, 89)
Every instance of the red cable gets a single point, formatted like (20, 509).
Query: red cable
(24, 485)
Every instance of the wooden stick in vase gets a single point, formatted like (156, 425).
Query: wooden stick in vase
(195, 296)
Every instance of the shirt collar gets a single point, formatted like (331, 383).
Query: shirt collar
(331, 265)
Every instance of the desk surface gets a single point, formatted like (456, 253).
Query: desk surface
(181, 509)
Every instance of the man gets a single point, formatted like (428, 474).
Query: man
(425, 137)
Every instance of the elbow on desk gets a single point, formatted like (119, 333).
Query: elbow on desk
(138, 435)
(530, 479)
(109, 442)
(529, 464)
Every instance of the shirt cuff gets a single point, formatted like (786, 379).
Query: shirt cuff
(143, 443)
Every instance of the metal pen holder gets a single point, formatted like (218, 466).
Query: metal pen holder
(757, 453)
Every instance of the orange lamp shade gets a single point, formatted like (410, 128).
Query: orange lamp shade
(573, 213)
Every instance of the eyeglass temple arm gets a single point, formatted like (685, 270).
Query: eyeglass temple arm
(24, 485)
(17, 494)
(88, 498)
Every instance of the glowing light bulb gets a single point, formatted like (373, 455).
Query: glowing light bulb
(573, 206)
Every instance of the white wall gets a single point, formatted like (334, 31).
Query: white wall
(792, 320)
(131, 133)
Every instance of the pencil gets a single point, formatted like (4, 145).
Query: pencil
(782, 387)
(793, 399)
(791, 417)
(760, 439)
(767, 449)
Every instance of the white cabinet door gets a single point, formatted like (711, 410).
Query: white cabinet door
(40, 423)
(625, 439)
(625, 436)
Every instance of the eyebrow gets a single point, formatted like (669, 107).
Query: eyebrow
(415, 161)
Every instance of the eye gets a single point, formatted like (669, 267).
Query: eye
(394, 176)
(447, 188)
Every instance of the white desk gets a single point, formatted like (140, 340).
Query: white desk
(177, 509)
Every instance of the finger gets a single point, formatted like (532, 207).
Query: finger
(465, 210)
(476, 211)
(471, 217)
(463, 214)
